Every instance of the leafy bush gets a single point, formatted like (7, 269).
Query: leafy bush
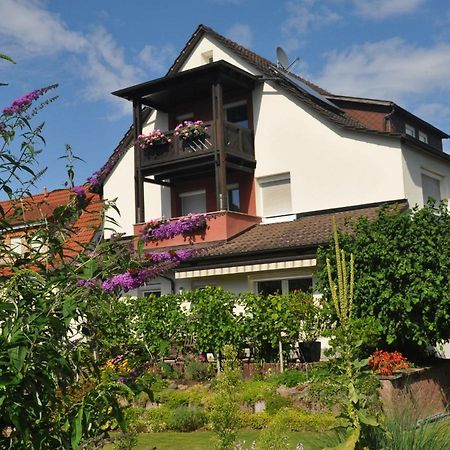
(187, 418)
(255, 421)
(198, 371)
(197, 395)
(298, 420)
(225, 413)
(251, 392)
(152, 420)
(290, 378)
(401, 273)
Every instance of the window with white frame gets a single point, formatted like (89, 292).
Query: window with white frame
(193, 202)
(276, 195)
(423, 137)
(283, 286)
(431, 188)
(410, 130)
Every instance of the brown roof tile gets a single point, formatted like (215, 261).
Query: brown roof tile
(309, 230)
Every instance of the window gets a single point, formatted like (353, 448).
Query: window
(268, 287)
(410, 130)
(193, 202)
(237, 113)
(151, 289)
(234, 203)
(207, 57)
(423, 137)
(16, 244)
(431, 188)
(276, 196)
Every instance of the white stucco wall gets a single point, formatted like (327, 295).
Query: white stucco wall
(415, 163)
(120, 185)
(329, 167)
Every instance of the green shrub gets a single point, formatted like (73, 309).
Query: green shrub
(254, 391)
(125, 441)
(274, 402)
(299, 420)
(152, 420)
(255, 421)
(168, 371)
(185, 418)
(197, 395)
(290, 378)
(198, 371)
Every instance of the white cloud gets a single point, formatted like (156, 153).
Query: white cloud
(30, 30)
(156, 58)
(27, 27)
(380, 9)
(390, 69)
(241, 33)
(304, 16)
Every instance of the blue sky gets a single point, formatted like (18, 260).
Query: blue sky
(391, 49)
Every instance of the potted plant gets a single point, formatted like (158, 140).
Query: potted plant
(312, 325)
(189, 131)
(153, 139)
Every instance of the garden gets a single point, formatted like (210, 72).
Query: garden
(84, 366)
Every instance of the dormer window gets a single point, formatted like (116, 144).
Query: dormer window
(207, 57)
(410, 130)
(423, 137)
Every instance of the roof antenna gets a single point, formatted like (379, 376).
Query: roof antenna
(283, 60)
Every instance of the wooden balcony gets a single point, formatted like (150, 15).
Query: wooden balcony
(220, 226)
(165, 158)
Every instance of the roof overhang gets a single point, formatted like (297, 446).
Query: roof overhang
(163, 93)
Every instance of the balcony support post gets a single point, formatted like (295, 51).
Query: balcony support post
(220, 158)
(138, 178)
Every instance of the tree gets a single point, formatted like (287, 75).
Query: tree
(50, 393)
(402, 264)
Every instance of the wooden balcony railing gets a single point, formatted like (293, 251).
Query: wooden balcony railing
(238, 142)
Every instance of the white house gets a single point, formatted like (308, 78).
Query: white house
(281, 157)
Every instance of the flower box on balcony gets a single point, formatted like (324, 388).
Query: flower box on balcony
(220, 226)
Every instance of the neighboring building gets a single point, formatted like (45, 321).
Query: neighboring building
(282, 157)
(26, 217)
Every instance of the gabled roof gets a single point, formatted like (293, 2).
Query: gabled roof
(34, 210)
(299, 237)
(333, 114)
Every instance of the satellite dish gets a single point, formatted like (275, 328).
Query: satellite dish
(282, 58)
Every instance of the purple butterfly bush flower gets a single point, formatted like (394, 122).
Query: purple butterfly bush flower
(21, 104)
(79, 192)
(157, 231)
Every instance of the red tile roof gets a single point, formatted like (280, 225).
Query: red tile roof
(307, 232)
(35, 209)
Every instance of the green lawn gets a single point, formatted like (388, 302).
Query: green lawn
(204, 440)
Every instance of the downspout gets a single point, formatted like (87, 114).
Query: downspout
(172, 283)
(387, 119)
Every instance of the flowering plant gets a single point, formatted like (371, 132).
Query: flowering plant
(189, 130)
(156, 137)
(386, 363)
(164, 229)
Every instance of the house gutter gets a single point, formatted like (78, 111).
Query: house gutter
(387, 119)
